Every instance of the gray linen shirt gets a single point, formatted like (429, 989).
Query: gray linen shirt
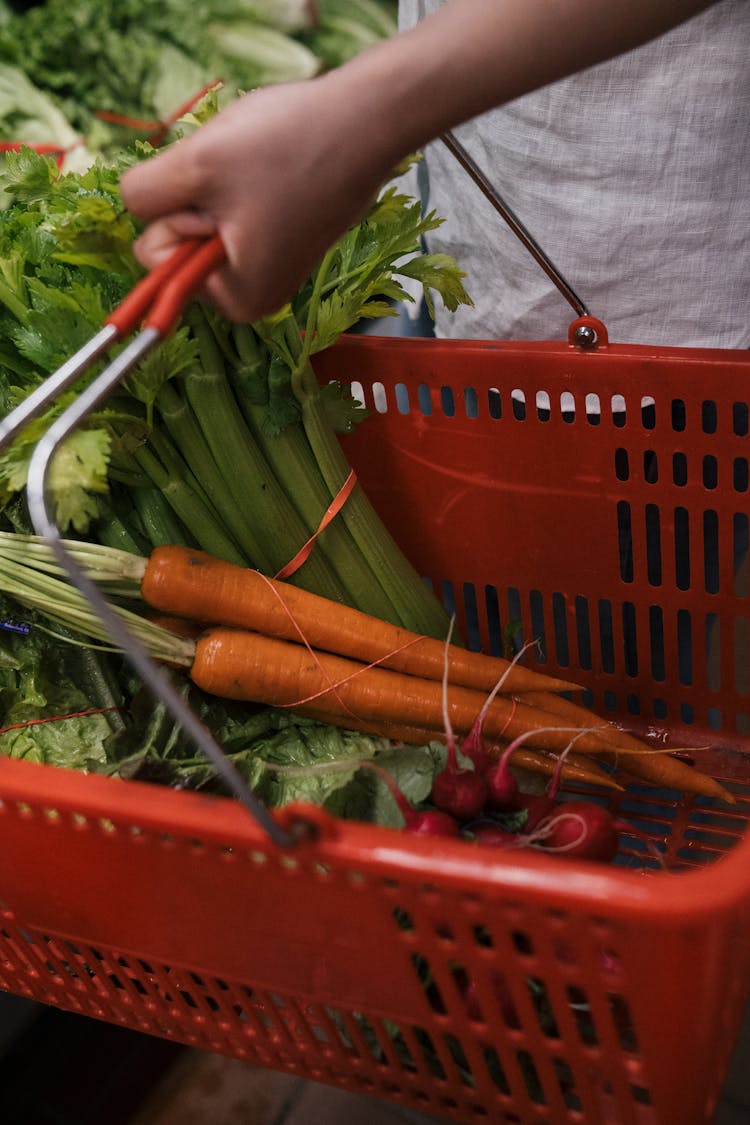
(633, 177)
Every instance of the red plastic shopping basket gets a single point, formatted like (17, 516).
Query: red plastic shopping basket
(597, 498)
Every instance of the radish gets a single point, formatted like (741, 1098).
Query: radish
(538, 806)
(503, 794)
(580, 829)
(459, 792)
(430, 822)
(474, 749)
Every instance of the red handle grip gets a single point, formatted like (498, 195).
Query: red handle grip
(161, 295)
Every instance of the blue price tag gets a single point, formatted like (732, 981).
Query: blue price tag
(16, 627)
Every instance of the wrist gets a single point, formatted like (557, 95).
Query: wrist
(377, 101)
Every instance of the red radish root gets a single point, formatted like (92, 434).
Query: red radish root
(473, 746)
(456, 790)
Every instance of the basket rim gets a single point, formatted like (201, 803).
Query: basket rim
(603, 890)
(670, 353)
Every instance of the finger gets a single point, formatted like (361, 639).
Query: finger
(244, 296)
(163, 236)
(161, 185)
(241, 305)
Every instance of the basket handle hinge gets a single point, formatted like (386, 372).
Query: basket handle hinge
(588, 333)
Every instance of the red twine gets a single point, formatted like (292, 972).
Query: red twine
(58, 718)
(332, 685)
(156, 131)
(57, 151)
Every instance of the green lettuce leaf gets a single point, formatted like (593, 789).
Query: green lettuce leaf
(366, 797)
(44, 688)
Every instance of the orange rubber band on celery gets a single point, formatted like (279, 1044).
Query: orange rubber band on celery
(330, 513)
(156, 131)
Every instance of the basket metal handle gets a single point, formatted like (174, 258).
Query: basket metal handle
(159, 297)
(521, 232)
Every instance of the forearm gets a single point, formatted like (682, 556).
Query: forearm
(473, 55)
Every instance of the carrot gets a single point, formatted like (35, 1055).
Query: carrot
(180, 626)
(237, 664)
(242, 665)
(577, 767)
(193, 584)
(622, 749)
(571, 712)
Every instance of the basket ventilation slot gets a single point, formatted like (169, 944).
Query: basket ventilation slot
(506, 1022)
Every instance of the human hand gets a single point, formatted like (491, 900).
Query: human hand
(279, 175)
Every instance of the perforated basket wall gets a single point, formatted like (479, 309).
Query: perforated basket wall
(597, 501)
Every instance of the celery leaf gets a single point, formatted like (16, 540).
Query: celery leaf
(78, 469)
(438, 272)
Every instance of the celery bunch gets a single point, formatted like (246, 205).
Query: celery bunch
(222, 437)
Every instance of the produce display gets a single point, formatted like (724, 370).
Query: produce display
(328, 674)
(87, 78)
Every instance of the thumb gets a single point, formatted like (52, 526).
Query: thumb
(165, 234)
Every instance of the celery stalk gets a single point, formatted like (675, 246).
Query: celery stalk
(159, 523)
(416, 605)
(190, 508)
(185, 431)
(289, 454)
(247, 474)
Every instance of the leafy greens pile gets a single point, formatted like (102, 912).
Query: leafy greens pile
(73, 707)
(102, 70)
